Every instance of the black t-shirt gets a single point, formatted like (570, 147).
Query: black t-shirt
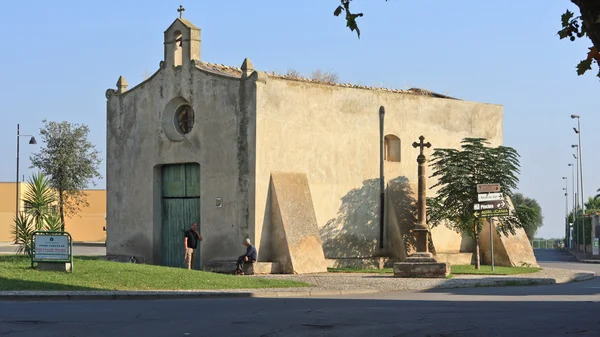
(192, 239)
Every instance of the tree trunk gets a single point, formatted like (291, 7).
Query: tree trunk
(590, 12)
(61, 210)
(476, 236)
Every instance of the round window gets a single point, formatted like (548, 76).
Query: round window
(184, 119)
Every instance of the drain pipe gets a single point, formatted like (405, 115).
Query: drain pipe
(381, 180)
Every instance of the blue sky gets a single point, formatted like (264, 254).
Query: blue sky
(59, 58)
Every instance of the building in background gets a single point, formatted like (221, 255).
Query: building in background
(87, 226)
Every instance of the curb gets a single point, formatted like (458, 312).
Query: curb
(146, 295)
(582, 260)
(166, 295)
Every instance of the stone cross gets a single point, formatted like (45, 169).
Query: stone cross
(180, 10)
(421, 229)
(421, 144)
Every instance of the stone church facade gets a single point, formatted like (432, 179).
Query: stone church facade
(291, 163)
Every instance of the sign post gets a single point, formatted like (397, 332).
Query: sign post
(491, 204)
(51, 250)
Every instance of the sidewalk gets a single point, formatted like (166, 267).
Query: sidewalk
(585, 258)
(326, 284)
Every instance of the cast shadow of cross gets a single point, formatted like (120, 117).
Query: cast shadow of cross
(354, 233)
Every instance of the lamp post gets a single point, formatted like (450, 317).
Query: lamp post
(566, 189)
(578, 132)
(576, 206)
(31, 141)
(381, 177)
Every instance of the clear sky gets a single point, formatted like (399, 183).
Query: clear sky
(59, 57)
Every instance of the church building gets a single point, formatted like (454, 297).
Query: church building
(291, 163)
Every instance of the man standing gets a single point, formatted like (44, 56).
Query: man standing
(190, 242)
(249, 256)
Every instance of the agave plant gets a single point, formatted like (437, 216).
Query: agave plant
(24, 229)
(53, 223)
(39, 196)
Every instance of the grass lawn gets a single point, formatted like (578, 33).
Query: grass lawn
(92, 273)
(487, 270)
(454, 270)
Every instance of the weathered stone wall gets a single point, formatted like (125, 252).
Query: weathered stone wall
(332, 134)
(141, 138)
(296, 243)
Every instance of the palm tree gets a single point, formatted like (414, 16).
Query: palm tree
(38, 199)
(592, 205)
(38, 214)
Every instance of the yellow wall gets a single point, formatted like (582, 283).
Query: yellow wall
(86, 226)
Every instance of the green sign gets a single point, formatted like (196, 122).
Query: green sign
(54, 247)
(491, 213)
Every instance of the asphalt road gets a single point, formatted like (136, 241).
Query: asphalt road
(555, 310)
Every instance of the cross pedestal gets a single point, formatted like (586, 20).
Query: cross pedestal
(421, 263)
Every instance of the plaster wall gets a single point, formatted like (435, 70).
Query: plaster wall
(141, 138)
(332, 134)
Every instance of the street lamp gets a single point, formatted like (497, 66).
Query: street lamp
(576, 206)
(566, 208)
(381, 178)
(31, 141)
(574, 198)
(578, 132)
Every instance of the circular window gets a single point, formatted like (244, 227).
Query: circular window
(184, 119)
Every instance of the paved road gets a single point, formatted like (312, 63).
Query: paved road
(90, 249)
(559, 310)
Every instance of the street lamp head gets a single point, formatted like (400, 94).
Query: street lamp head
(570, 164)
(575, 129)
(574, 156)
(574, 145)
(564, 177)
(32, 140)
(574, 116)
(381, 110)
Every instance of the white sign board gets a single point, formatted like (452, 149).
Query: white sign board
(488, 188)
(51, 247)
(489, 197)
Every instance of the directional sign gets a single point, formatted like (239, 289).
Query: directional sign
(496, 204)
(489, 196)
(488, 188)
(492, 213)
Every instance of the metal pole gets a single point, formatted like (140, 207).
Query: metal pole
(381, 176)
(574, 198)
(576, 214)
(581, 181)
(491, 241)
(566, 212)
(17, 191)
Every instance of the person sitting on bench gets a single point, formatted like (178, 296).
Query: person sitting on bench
(250, 256)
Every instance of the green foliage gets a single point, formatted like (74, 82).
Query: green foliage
(70, 161)
(529, 213)
(350, 17)
(23, 231)
(458, 173)
(39, 215)
(574, 27)
(38, 199)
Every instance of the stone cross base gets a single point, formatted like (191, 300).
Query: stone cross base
(421, 265)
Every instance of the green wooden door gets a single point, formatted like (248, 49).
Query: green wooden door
(180, 209)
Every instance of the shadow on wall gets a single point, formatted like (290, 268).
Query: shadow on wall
(354, 233)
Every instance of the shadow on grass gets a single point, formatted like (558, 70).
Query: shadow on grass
(8, 284)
